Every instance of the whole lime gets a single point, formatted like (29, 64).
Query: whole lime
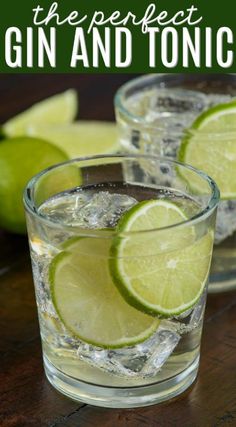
(20, 159)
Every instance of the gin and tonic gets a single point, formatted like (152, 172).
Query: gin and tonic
(121, 270)
(191, 117)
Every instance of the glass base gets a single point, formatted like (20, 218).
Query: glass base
(117, 397)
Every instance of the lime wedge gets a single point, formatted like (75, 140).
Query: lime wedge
(166, 272)
(211, 146)
(60, 108)
(81, 138)
(87, 301)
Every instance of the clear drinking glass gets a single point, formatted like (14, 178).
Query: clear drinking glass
(98, 347)
(155, 114)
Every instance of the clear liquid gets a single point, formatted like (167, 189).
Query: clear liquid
(169, 112)
(169, 351)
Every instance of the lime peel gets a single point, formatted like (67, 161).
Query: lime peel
(210, 145)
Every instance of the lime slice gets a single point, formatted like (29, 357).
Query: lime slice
(87, 301)
(61, 108)
(164, 274)
(80, 139)
(208, 147)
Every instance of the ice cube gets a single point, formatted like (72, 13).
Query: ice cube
(170, 145)
(144, 359)
(162, 347)
(198, 312)
(62, 208)
(42, 293)
(174, 109)
(189, 319)
(102, 210)
(226, 220)
(170, 111)
(177, 100)
(87, 210)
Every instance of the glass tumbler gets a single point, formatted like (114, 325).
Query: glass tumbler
(120, 269)
(157, 114)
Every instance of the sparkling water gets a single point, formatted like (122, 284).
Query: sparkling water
(172, 110)
(170, 350)
(166, 114)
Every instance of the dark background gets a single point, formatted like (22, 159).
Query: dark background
(96, 92)
(26, 398)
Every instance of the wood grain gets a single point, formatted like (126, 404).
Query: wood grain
(26, 398)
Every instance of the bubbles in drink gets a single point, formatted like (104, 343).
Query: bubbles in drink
(96, 208)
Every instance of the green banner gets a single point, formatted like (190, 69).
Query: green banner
(127, 36)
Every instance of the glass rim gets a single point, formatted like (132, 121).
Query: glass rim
(140, 121)
(204, 213)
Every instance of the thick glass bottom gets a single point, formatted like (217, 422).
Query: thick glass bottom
(118, 397)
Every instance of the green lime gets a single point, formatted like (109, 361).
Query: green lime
(60, 108)
(81, 138)
(20, 160)
(210, 145)
(159, 273)
(87, 301)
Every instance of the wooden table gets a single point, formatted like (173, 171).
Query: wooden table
(26, 398)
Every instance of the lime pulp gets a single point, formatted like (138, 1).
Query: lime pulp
(161, 273)
(87, 301)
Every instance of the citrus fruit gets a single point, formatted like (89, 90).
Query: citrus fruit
(60, 108)
(165, 273)
(210, 145)
(87, 301)
(20, 159)
(81, 138)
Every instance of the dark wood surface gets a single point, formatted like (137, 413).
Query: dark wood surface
(26, 398)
